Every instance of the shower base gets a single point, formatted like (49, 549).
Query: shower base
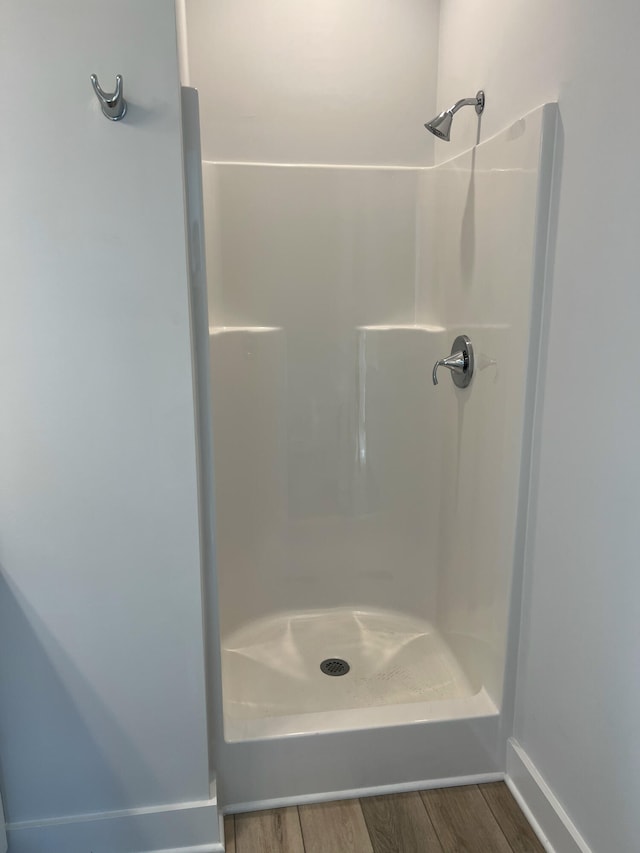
(401, 671)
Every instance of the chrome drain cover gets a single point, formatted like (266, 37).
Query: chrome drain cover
(335, 666)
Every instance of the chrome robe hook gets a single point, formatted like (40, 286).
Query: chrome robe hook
(114, 106)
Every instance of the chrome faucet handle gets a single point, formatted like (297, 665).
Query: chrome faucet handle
(455, 362)
(460, 362)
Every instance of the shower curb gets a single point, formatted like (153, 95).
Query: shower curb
(356, 793)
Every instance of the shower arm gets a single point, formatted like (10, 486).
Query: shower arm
(477, 102)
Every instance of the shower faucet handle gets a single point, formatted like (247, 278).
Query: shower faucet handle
(460, 362)
(455, 362)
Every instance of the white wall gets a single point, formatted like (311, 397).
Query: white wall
(578, 701)
(316, 82)
(101, 650)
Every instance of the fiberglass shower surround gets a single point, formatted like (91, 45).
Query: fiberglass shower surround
(363, 515)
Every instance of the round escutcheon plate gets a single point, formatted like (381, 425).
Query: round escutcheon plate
(462, 343)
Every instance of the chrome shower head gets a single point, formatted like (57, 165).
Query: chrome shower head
(440, 126)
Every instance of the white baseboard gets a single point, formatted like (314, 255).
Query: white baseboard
(175, 828)
(354, 793)
(550, 822)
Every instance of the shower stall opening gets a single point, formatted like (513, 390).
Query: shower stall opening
(366, 519)
(363, 513)
(329, 445)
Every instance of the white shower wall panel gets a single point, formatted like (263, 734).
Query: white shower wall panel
(490, 243)
(327, 492)
(249, 398)
(320, 249)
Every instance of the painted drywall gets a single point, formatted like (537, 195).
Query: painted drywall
(101, 650)
(3, 834)
(522, 56)
(317, 82)
(578, 698)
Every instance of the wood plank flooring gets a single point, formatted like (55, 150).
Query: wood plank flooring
(470, 819)
(334, 826)
(270, 831)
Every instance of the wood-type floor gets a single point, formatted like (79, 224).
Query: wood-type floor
(469, 819)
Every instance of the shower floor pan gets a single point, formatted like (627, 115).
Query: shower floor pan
(401, 671)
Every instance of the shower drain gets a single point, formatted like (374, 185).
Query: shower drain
(335, 666)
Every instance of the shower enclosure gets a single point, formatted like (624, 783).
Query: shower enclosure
(369, 524)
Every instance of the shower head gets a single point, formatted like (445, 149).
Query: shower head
(440, 126)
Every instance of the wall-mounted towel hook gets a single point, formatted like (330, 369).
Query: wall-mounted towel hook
(114, 106)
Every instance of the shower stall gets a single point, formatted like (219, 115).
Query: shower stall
(369, 523)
